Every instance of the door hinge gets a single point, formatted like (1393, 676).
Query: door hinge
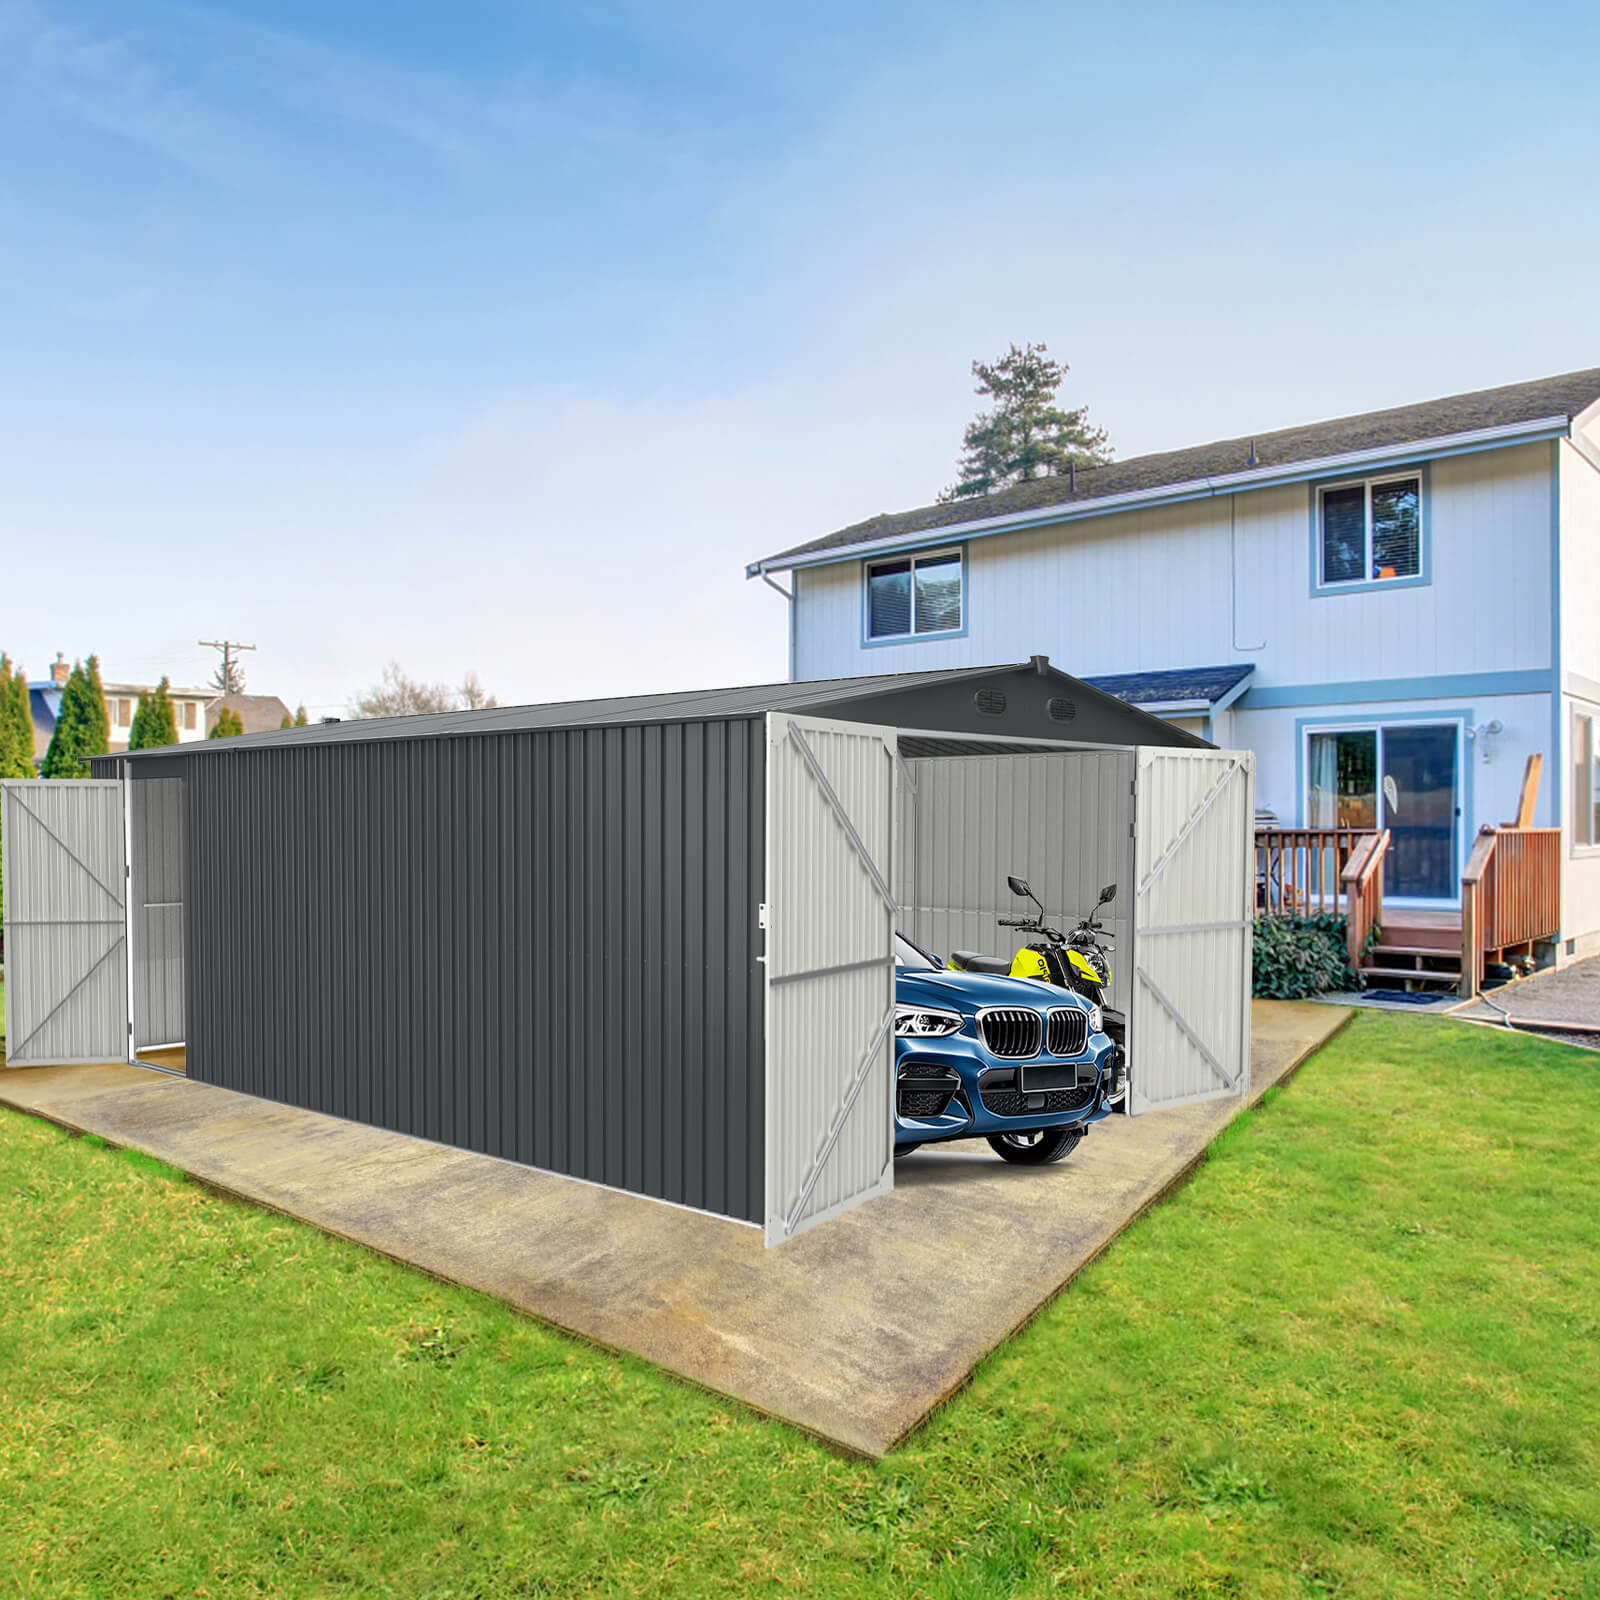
(761, 915)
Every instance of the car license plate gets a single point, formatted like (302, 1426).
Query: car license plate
(1035, 1080)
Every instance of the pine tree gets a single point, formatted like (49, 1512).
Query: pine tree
(155, 723)
(301, 720)
(82, 727)
(1027, 435)
(288, 721)
(229, 724)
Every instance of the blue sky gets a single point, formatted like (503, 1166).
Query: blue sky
(500, 336)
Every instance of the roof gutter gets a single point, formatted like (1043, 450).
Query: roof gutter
(1173, 493)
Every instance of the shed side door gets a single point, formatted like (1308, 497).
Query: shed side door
(830, 970)
(1189, 1028)
(65, 881)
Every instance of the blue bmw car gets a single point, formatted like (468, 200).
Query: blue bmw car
(1020, 1063)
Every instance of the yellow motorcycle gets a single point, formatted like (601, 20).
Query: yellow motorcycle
(1079, 960)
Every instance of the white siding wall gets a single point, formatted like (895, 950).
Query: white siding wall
(1145, 590)
(1580, 670)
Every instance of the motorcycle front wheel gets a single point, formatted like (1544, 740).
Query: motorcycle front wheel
(1036, 1149)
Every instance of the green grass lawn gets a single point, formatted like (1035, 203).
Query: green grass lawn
(1359, 1354)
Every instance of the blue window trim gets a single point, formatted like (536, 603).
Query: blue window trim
(869, 642)
(1401, 469)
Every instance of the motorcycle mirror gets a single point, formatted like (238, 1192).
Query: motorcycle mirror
(1019, 886)
(1108, 894)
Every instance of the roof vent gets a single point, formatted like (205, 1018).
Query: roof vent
(1250, 460)
(1060, 708)
(990, 702)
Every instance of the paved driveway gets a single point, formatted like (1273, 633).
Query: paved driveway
(1548, 999)
(853, 1331)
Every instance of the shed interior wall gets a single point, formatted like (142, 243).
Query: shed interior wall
(1062, 820)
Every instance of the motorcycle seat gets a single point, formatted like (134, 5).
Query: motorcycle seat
(976, 961)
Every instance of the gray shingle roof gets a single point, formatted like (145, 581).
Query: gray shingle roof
(1563, 396)
(1209, 684)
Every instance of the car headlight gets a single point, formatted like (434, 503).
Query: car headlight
(1096, 1020)
(918, 1022)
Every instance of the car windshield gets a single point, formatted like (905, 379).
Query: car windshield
(907, 954)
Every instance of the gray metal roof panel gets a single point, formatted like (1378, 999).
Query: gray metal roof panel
(673, 706)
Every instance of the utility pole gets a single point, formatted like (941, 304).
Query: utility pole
(228, 647)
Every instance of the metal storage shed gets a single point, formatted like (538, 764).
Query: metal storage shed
(642, 942)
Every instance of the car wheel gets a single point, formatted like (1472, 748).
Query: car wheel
(1036, 1149)
(901, 1150)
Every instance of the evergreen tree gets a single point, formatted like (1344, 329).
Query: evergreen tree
(102, 715)
(155, 723)
(16, 723)
(1027, 435)
(229, 724)
(301, 720)
(82, 727)
(288, 721)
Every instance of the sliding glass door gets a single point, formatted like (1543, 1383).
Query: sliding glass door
(1403, 776)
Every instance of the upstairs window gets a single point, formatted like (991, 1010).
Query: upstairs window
(1370, 532)
(914, 595)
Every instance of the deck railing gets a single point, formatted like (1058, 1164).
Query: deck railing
(1301, 870)
(1510, 896)
(1362, 881)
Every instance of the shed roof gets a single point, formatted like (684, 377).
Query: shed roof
(1555, 400)
(941, 700)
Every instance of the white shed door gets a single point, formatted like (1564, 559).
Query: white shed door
(1189, 1027)
(64, 864)
(830, 970)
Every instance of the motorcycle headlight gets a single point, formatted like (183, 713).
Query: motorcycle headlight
(1097, 1020)
(918, 1022)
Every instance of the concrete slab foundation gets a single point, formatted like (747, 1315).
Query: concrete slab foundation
(836, 1332)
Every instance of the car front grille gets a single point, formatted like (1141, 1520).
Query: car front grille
(1013, 1103)
(1068, 1032)
(1011, 1032)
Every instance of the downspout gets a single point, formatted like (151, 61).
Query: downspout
(1233, 576)
(788, 594)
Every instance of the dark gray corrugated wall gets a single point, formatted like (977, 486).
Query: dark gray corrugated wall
(539, 945)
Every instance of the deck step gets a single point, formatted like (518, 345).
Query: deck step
(1412, 973)
(1433, 952)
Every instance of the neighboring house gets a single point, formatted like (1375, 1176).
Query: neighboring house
(189, 708)
(260, 713)
(1393, 611)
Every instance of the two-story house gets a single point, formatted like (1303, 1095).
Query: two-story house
(1393, 611)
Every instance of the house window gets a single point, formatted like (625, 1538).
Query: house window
(1585, 779)
(1370, 532)
(124, 713)
(916, 594)
(188, 714)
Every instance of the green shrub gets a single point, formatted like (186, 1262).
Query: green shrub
(1299, 956)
